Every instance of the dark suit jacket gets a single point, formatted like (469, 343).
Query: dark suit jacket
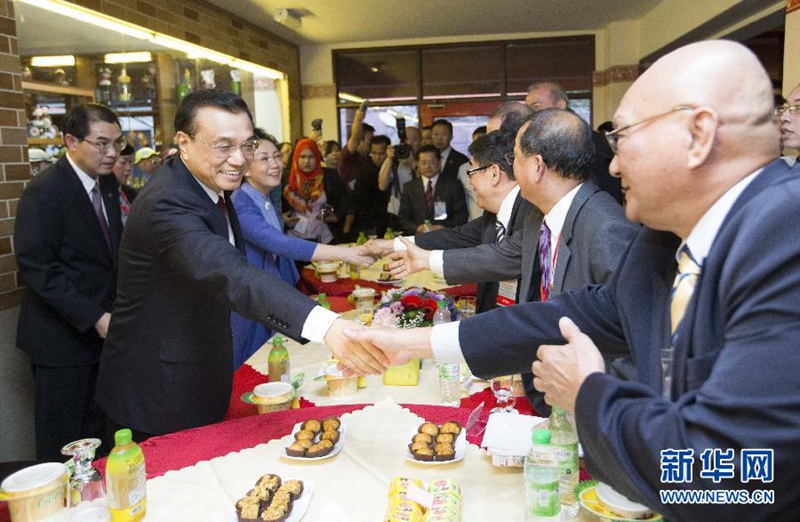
(336, 193)
(454, 160)
(477, 232)
(167, 361)
(69, 271)
(737, 375)
(369, 202)
(413, 210)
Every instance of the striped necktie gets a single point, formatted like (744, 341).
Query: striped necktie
(545, 262)
(97, 203)
(682, 290)
(499, 232)
(429, 195)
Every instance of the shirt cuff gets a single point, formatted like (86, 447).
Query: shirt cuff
(437, 262)
(445, 345)
(399, 246)
(317, 324)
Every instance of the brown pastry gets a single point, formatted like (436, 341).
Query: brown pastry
(269, 482)
(293, 487)
(385, 276)
(274, 514)
(423, 454)
(445, 437)
(451, 427)
(331, 423)
(305, 434)
(442, 446)
(429, 428)
(296, 450)
(312, 425)
(416, 446)
(247, 509)
(306, 443)
(422, 437)
(447, 453)
(331, 435)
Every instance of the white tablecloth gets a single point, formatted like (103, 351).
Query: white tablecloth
(350, 486)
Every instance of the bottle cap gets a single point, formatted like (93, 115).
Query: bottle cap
(322, 296)
(541, 436)
(441, 303)
(277, 341)
(123, 436)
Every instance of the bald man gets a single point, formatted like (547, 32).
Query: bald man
(789, 116)
(696, 150)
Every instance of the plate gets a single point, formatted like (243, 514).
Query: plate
(460, 446)
(391, 282)
(336, 447)
(587, 497)
(299, 506)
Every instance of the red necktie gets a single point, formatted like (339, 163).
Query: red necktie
(429, 195)
(221, 206)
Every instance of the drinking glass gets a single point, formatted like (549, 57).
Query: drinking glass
(86, 491)
(501, 388)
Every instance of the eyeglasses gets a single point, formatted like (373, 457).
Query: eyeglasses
(226, 150)
(791, 109)
(275, 158)
(471, 172)
(105, 146)
(509, 156)
(613, 136)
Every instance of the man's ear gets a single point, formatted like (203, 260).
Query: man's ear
(71, 142)
(702, 129)
(182, 140)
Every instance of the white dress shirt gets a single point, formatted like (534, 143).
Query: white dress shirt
(88, 183)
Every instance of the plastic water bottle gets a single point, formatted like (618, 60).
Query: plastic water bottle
(126, 479)
(564, 439)
(449, 374)
(541, 474)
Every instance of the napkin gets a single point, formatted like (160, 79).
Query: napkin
(509, 433)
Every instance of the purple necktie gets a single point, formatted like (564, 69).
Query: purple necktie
(97, 203)
(545, 262)
(429, 195)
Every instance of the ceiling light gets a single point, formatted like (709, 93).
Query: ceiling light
(350, 97)
(286, 18)
(91, 17)
(140, 57)
(53, 61)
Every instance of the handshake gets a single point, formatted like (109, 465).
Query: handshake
(408, 258)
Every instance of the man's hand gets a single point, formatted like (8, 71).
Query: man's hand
(379, 247)
(361, 358)
(411, 261)
(399, 346)
(561, 369)
(360, 255)
(101, 326)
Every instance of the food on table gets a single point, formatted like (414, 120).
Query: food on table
(270, 500)
(435, 443)
(316, 438)
(442, 504)
(385, 276)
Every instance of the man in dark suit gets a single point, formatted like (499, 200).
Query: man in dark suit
(167, 361)
(368, 201)
(449, 158)
(719, 376)
(431, 197)
(547, 95)
(66, 237)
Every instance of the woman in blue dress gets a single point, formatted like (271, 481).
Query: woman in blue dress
(266, 244)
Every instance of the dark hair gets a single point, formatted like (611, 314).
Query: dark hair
(429, 148)
(264, 135)
(366, 127)
(380, 140)
(557, 93)
(563, 140)
(445, 123)
(492, 148)
(513, 115)
(216, 98)
(778, 100)
(129, 150)
(80, 119)
(480, 130)
(427, 127)
(606, 126)
(330, 145)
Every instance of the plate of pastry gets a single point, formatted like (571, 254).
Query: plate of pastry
(316, 439)
(275, 498)
(434, 444)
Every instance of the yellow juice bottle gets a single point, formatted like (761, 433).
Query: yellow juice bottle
(126, 479)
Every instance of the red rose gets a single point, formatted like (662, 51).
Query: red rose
(411, 302)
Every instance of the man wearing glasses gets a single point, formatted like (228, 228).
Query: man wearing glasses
(167, 362)
(66, 236)
(789, 117)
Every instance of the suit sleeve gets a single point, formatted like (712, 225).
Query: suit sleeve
(742, 394)
(485, 262)
(37, 233)
(256, 231)
(467, 235)
(457, 213)
(186, 243)
(406, 214)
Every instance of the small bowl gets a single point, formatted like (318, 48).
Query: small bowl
(328, 272)
(37, 492)
(273, 393)
(364, 298)
(338, 384)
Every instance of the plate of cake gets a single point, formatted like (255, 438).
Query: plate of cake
(316, 439)
(434, 444)
(275, 499)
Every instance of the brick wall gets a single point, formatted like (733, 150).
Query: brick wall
(14, 167)
(191, 20)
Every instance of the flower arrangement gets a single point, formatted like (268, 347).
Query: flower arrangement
(410, 307)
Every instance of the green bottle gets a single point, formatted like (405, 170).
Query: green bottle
(322, 300)
(278, 362)
(361, 238)
(426, 226)
(126, 479)
(389, 233)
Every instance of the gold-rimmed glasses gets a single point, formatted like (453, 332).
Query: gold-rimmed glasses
(613, 136)
(225, 150)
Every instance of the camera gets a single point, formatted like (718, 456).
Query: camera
(317, 124)
(402, 150)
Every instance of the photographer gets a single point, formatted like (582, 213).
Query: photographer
(398, 168)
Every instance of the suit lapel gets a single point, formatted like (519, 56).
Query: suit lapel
(109, 188)
(85, 209)
(564, 251)
(237, 231)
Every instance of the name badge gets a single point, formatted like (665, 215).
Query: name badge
(507, 293)
(301, 225)
(439, 210)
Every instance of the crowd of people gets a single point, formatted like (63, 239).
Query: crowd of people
(576, 291)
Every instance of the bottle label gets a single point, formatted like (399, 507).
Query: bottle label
(450, 372)
(567, 456)
(544, 499)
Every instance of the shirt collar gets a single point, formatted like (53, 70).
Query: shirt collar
(558, 214)
(507, 206)
(87, 181)
(432, 180)
(443, 155)
(255, 194)
(705, 231)
(214, 196)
